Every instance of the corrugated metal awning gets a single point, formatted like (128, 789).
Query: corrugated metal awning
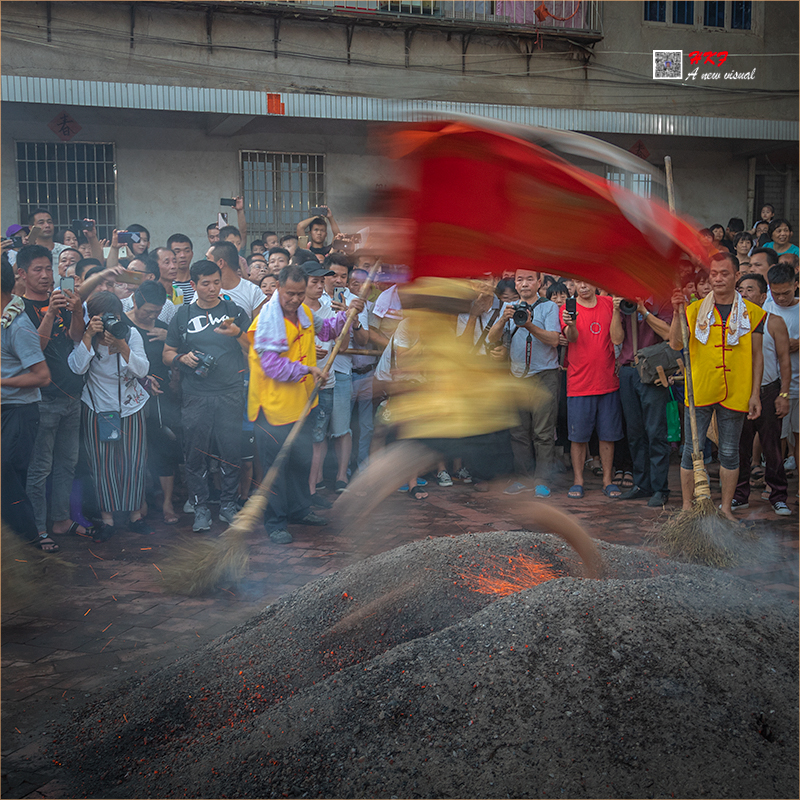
(57, 91)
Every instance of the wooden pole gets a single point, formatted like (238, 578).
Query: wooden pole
(701, 487)
(200, 566)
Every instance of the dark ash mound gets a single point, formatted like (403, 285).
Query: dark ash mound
(391, 678)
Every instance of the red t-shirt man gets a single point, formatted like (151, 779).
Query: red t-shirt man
(590, 368)
(592, 384)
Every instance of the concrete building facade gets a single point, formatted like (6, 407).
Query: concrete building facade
(197, 101)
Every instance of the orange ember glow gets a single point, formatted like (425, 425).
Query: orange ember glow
(521, 573)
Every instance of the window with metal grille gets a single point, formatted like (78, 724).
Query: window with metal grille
(72, 180)
(683, 12)
(280, 188)
(655, 11)
(637, 182)
(735, 15)
(741, 15)
(714, 14)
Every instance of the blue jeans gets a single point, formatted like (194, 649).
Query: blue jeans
(729, 425)
(362, 397)
(55, 451)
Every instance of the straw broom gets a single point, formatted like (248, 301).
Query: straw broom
(197, 566)
(702, 533)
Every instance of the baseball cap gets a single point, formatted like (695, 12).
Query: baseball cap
(13, 230)
(315, 270)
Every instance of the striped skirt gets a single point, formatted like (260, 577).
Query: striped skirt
(118, 468)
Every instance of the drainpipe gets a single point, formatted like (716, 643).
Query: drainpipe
(788, 192)
(751, 191)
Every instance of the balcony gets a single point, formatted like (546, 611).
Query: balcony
(577, 17)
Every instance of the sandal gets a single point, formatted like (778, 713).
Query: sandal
(418, 493)
(627, 480)
(47, 545)
(72, 530)
(170, 519)
(612, 490)
(576, 492)
(619, 477)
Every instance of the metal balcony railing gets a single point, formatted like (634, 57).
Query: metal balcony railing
(577, 15)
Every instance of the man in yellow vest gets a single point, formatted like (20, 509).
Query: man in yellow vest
(725, 333)
(283, 371)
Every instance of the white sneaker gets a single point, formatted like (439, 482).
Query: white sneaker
(789, 464)
(781, 509)
(463, 475)
(444, 478)
(188, 507)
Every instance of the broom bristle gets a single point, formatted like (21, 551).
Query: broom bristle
(197, 566)
(704, 536)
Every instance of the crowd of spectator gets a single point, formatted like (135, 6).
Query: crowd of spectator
(130, 374)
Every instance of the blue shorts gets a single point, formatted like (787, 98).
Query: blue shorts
(601, 412)
(320, 416)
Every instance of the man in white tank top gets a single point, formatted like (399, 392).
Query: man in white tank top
(783, 285)
(775, 384)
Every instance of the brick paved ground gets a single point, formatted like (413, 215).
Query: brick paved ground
(111, 619)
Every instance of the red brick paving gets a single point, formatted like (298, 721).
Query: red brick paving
(55, 656)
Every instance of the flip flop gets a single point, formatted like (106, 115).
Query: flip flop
(47, 545)
(170, 519)
(418, 493)
(612, 490)
(72, 530)
(576, 492)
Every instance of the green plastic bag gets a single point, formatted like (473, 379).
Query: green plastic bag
(673, 419)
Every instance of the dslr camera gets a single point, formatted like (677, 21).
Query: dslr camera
(114, 325)
(628, 307)
(522, 313)
(206, 363)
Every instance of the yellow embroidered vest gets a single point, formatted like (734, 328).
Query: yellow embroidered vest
(721, 373)
(282, 401)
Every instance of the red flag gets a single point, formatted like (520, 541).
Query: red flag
(486, 201)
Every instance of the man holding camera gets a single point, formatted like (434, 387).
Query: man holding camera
(644, 405)
(58, 317)
(207, 341)
(530, 330)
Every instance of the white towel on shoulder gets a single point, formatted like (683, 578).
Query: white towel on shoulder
(738, 321)
(271, 328)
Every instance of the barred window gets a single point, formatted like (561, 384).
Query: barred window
(280, 188)
(638, 183)
(72, 180)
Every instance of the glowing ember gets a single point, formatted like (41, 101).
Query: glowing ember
(520, 574)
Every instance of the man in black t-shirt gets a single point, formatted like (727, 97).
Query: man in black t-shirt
(56, 448)
(207, 341)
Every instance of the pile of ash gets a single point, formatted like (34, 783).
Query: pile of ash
(395, 678)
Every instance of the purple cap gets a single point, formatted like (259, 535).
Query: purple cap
(13, 230)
